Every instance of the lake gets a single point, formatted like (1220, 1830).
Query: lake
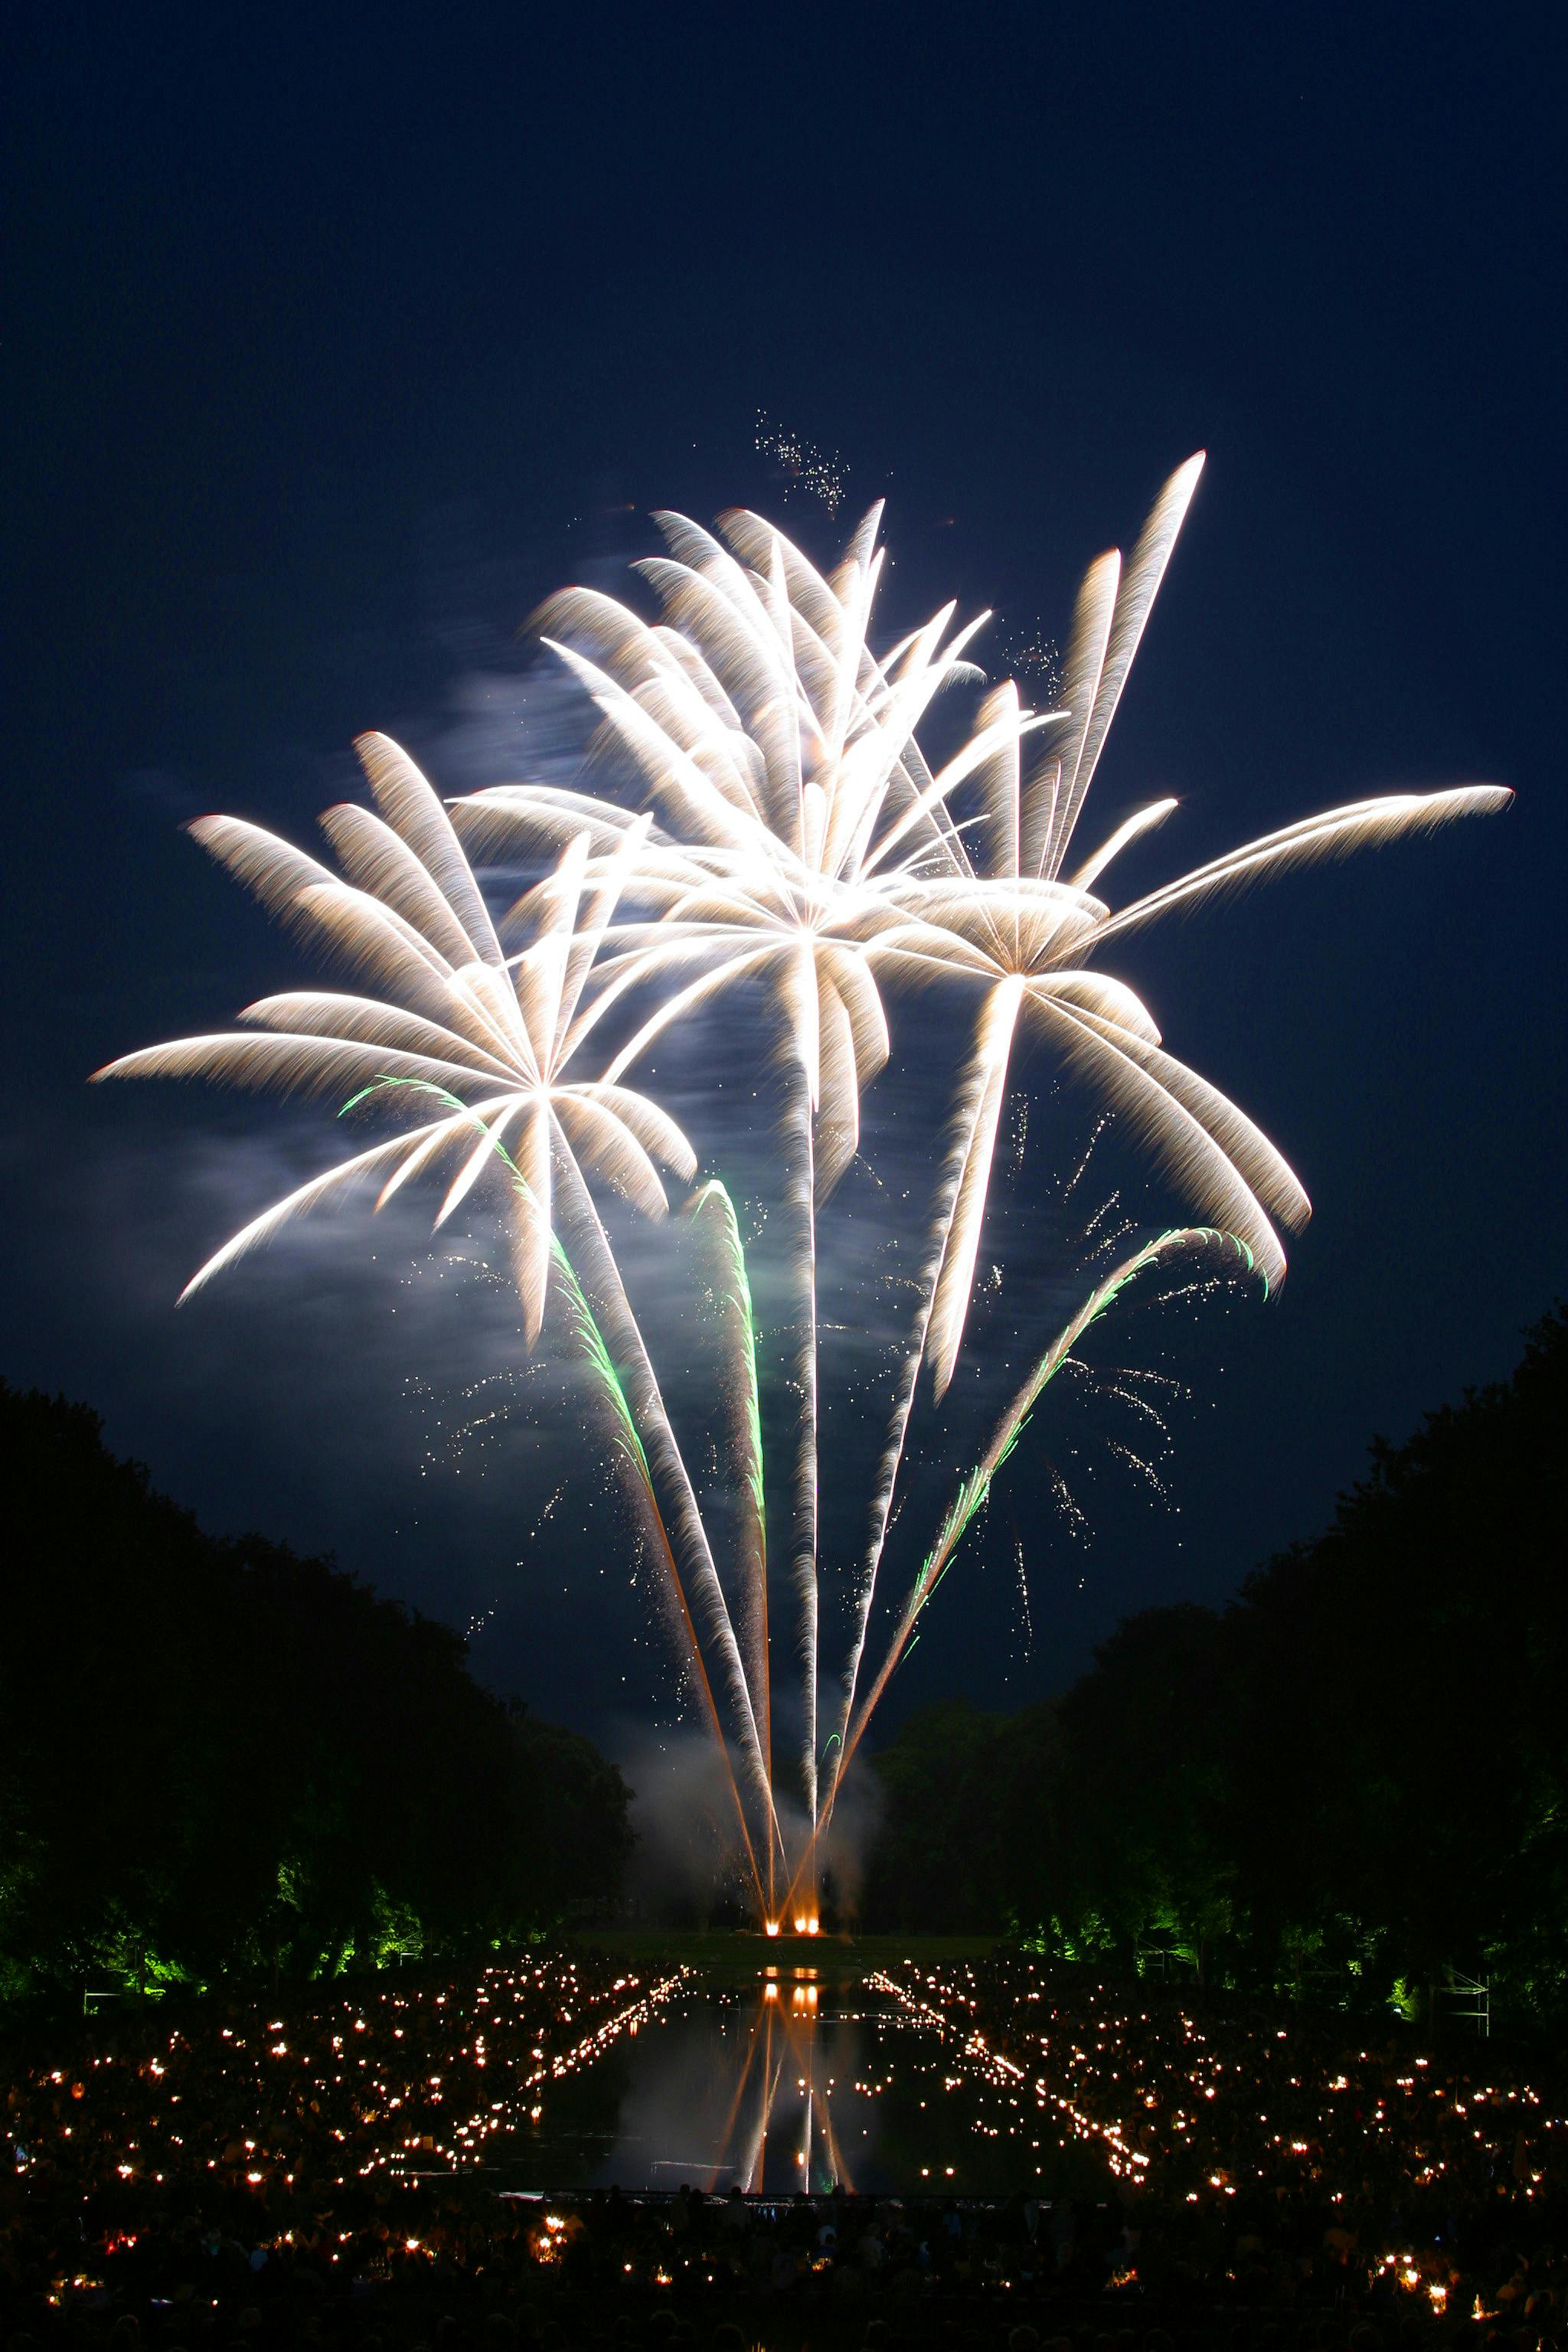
(794, 2082)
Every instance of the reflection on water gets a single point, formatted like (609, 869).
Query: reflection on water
(753, 2095)
(794, 2085)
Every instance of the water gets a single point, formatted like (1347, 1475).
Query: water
(794, 2085)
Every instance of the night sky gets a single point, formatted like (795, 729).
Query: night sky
(336, 339)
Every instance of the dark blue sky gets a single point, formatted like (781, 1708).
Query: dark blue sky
(336, 339)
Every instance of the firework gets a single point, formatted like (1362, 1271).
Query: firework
(803, 465)
(794, 838)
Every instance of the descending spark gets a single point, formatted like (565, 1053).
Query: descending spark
(1143, 1469)
(1111, 1200)
(976, 1487)
(1020, 1136)
(1024, 1600)
(1030, 653)
(1081, 1170)
(545, 1513)
(1116, 1385)
(801, 463)
(1068, 1505)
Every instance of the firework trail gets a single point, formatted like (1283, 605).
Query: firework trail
(800, 1173)
(975, 1490)
(712, 1214)
(961, 1164)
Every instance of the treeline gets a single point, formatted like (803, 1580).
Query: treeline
(1351, 1785)
(216, 1756)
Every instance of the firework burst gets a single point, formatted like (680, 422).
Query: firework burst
(793, 838)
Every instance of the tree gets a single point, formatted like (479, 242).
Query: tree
(219, 1756)
(1357, 1773)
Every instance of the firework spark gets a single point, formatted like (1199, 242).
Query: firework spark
(1030, 653)
(804, 467)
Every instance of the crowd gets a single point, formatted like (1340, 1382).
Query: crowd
(254, 2179)
(396, 2079)
(1270, 2158)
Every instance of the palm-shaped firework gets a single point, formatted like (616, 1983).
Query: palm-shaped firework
(496, 1032)
(782, 756)
(794, 835)
(473, 1048)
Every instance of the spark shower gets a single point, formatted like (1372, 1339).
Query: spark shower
(770, 822)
